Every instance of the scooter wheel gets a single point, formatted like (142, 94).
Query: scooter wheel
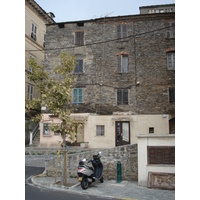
(84, 183)
(101, 179)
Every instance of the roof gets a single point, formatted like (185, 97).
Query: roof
(40, 11)
(138, 16)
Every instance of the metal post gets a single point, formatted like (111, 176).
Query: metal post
(119, 172)
(31, 138)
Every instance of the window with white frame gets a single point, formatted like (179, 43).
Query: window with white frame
(171, 60)
(100, 130)
(30, 92)
(33, 31)
(122, 64)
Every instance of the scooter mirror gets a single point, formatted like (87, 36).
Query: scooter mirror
(84, 160)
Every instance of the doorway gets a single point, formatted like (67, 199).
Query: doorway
(122, 132)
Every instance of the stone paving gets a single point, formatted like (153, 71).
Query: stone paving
(108, 189)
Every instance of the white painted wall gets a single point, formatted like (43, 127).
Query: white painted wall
(143, 167)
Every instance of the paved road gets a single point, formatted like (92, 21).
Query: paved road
(35, 193)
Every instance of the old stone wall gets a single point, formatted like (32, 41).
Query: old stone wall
(146, 46)
(127, 155)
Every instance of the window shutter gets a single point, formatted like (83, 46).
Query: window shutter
(161, 155)
(80, 65)
(81, 38)
(124, 30)
(119, 31)
(169, 61)
(124, 64)
(125, 96)
(74, 95)
(173, 60)
(119, 58)
(171, 95)
(119, 96)
(80, 95)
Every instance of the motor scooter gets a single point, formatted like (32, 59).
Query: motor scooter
(87, 174)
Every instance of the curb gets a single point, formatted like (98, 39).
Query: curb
(69, 189)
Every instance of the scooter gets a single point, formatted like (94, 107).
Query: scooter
(87, 175)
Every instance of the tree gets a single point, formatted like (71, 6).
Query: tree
(56, 93)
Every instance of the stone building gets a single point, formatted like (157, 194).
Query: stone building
(125, 76)
(125, 92)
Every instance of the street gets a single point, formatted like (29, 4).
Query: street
(35, 193)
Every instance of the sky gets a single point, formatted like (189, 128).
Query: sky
(75, 10)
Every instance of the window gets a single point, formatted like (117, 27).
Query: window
(121, 31)
(122, 63)
(161, 155)
(170, 29)
(79, 38)
(122, 96)
(171, 94)
(30, 92)
(33, 31)
(77, 95)
(79, 67)
(46, 129)
(151, 129)
(30, 68)
(99, 130)
(171, 61)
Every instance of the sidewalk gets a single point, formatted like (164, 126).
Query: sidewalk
(110, 189)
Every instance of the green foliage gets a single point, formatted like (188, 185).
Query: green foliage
(56, 92)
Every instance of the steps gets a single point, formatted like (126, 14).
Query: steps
(36, 139)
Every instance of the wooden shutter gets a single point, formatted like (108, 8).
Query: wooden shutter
(119, 96)
(171, 94)
(125, 96)
(74, 95)
(124, 30)
(77, 38)
(119, 61)
(124, 64)
(119, 31)
(81, 38)
(161, 155)
(80, 95)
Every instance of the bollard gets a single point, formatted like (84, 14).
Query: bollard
(119, 172)
(31, 138)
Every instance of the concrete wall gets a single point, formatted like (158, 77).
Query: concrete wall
(143, 167)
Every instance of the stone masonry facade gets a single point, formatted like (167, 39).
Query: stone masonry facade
(144, 49)
(127, 155)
